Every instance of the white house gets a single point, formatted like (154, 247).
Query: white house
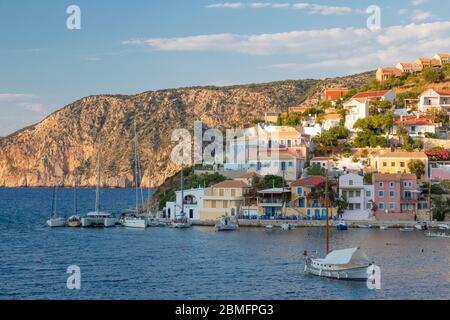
(415, 125)
(358, 106)
(358, 195)
(323, 162)
(443, 58)
(331, 120)
(431, 99)
(193, 202)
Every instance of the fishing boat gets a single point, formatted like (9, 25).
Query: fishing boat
(347, 264)
(421, 225)
(407, 229)
(365, 226)
(98, 218)
(437, 235)
(384, 227)
(55, 221)
(74, 221)
(341, 225)
(135, 220)
(227, 224)
(181, 221)
(269, 227)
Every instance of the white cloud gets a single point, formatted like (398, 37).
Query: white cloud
(35, 107)
(339, 48)
(418, 2)
(310, 7)
(226, 5)
(9, 97)
(420, 16)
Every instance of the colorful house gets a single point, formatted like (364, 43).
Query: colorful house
(415, 125)
(224, 199)
(273, 202)
(332, 94)
(358, 195)
(424, 63)
(308, 198)
(384, 74)
(443, 58)
(393, 162)
(397, 197)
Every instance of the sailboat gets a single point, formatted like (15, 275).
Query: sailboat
(98, 218)
(74, 221)
(347, 264)
(135, 220)
(55, 221)
(181, 221)
(227, 223)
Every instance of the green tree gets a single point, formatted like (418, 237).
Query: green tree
(279, 120)
(417, 167)
(316, 170)
(433, 75)
(441, 208)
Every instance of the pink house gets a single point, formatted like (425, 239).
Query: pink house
(397, 196)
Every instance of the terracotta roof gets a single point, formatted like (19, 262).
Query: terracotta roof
(371, 94)
(408, 121)
(406, 65)
(231, 184)
(394, 176)
(443, 55)
(335, 93)
(443, 92)
(311, 181)
(394, 71)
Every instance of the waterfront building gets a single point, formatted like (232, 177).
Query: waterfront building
(193, 202)
(358, 195)
(273, 202)
(397, 197)
(224, 199)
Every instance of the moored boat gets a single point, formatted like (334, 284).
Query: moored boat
(407, 229)
(226, 224)
(74, 221)
(437, 235)
(421, 225)
(55, 221)
(341, 225)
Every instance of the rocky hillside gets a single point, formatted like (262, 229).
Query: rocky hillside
(63, 147)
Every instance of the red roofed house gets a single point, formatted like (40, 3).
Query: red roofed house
(443, 58)
(332, 94)
(415, 125)
(358, 105)
(384, 74)
(434, 99)
(407, 67)
(424, 63)
(307, 197)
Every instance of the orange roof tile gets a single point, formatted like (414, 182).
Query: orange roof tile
(371, 94)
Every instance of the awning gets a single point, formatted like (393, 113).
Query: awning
(346, 256)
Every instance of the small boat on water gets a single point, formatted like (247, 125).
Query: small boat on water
(443, 227)
(136, 220)
(384, 227)
(98, 218)
(227, 224)
(347, 264)
(55, 221)
(407, 229)
(287, 226)
(437, 235)
(74, 221)
(365, 226)
(421, 225)
(181, 222)
(269, 227)
(341, 225)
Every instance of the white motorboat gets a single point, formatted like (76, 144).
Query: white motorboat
(181, 223)
(134, 222)
(55, 221)
(287, 226)
(384, 227)
(437, 235)
(407, 229)
(365, 226)
(341, 225)
(98, 219)
(443, 227)
(269, 227)
(347, 264)
(153, 222)
(421, 225)
(227, 224)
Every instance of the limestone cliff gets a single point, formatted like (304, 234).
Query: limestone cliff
(64, 145)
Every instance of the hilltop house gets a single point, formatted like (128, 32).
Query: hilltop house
(333, 94)
(193, 202)
(387, 161)
(223, 199)
(358, 106)
(358, 195)
(433, 99)
(424, 63)
(443, 58)
(415, 125)
(331, 120)
(407, 67)
(384, 74)
(397, 197)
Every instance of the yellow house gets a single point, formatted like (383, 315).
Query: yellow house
(387, 161)
(223, 199)
(427, 63)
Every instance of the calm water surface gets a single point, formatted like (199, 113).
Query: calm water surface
(197, 263)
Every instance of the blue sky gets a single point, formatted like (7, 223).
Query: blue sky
(132, 46)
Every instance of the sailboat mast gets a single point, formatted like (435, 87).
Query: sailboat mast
(97, 192)
(75, 197)
(326, 208)
(182, 191)
(136, 173)
(53, 201)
